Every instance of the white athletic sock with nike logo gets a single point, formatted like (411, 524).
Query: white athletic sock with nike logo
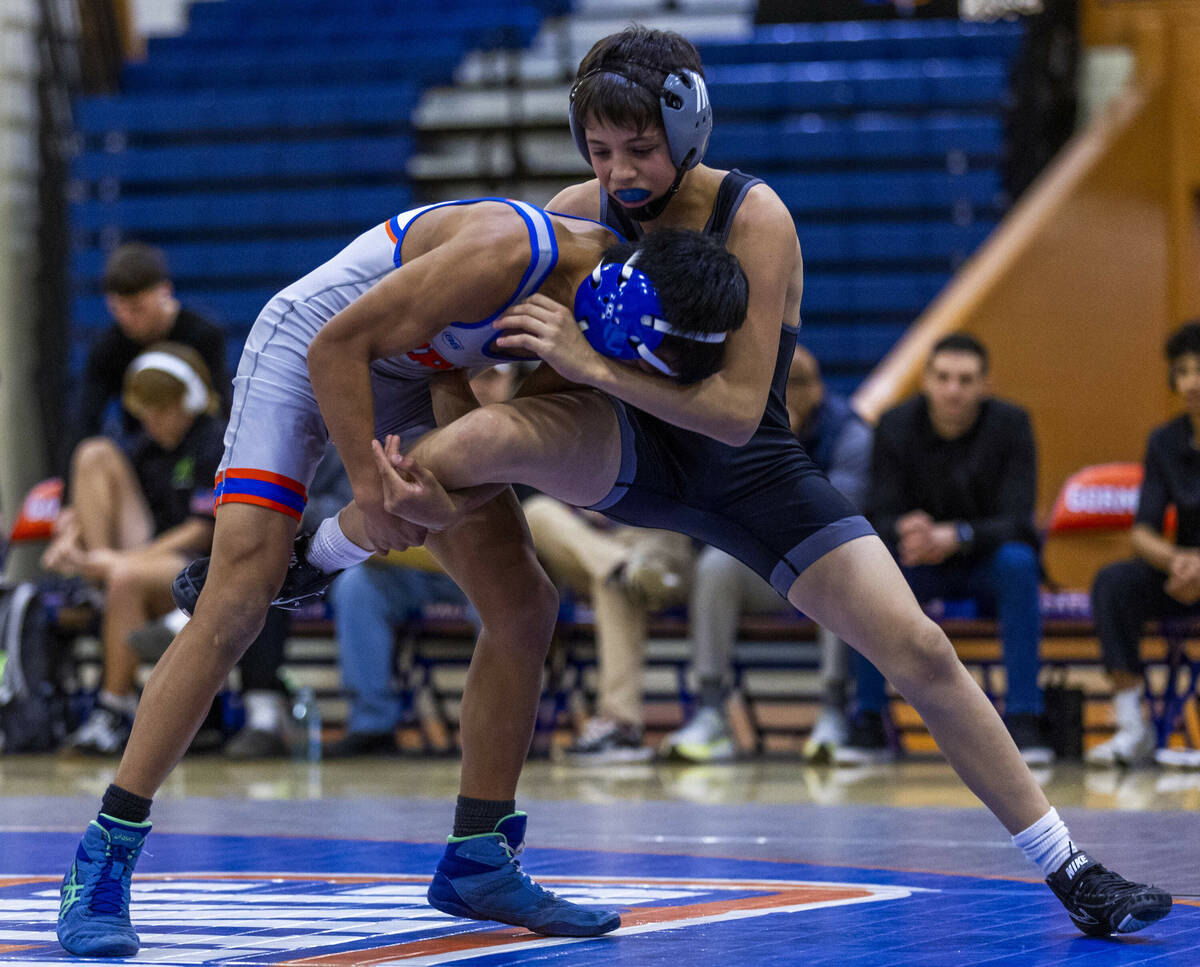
(1046, 843)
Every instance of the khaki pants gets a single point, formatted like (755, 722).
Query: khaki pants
(581, 552)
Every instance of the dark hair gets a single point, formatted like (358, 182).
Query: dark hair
(702, 288)
(643, 54)
(961, 342)
(1184, 341)
(134, 267)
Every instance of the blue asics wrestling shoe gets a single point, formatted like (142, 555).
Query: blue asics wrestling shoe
(303, 584)
(93, 915)
(1101, 902)
(480, 878)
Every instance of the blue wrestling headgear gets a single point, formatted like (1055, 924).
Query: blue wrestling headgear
(619, 312)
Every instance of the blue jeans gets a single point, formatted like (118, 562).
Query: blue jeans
(1005, 583)
(369, 602)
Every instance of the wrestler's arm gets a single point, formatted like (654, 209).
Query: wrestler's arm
(401, 312)
(729, 404)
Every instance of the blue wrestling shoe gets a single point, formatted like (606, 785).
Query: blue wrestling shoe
(93, 916)
(1101, 902)
(480, 878)
(303, 584)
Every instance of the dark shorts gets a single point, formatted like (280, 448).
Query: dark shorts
(765, 503)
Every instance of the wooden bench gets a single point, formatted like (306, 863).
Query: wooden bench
(776, 686)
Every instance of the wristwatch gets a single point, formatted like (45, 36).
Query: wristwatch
(965, 534)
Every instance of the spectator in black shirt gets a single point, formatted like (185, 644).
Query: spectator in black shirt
(137, 518)
(953, 478)
(1163, 579)
(141, 300)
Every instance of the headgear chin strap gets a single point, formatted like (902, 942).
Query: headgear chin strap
(686, 119)
(621, 316)
(656, 206)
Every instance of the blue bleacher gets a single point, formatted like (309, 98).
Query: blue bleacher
(162, 167)
(257, 144)
(259, 211)
(750, 89)
(212, 110)
(883, 242)
(489, 25)
(885, 139)
(312, 62)
(803, 42)
(869, 136)
(886, 191)
(235, 261)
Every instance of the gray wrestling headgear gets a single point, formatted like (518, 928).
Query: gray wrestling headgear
(686, 114)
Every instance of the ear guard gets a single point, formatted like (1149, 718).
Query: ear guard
(619, 312)
(686, 115)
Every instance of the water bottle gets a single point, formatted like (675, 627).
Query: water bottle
(307, 716)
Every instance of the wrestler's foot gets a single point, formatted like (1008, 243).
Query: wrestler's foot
(303, 584)
(93, 914)
(1101, 902)
(480, 878)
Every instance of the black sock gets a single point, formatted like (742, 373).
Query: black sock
(712, 693)
(835, 693)
(474, 816)
(124, 805)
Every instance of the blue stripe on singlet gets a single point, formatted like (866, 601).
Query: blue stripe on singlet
(542, 243)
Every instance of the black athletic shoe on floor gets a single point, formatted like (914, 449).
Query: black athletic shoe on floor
(1101, 902)
(303, 583)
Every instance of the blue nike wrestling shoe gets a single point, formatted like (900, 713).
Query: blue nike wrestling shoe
(480, 878)
(1102, 902)
(303, 584)
(93, 915)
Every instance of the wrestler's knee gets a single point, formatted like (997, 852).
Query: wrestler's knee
(926, 658)
(526, 613)
(234, 603)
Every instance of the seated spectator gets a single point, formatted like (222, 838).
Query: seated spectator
(1163, 579)
(135, 520)
(627, 573)
(370, 601)
(141, 300)
(839, 443)
(953, 476)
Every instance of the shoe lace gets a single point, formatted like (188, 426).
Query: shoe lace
(109, 896)
(1102, 882)
(526, 880)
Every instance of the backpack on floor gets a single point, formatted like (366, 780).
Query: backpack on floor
(33, 703)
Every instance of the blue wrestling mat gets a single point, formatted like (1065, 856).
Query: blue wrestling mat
(258, 900)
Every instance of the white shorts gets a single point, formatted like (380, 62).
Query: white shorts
(276, 435)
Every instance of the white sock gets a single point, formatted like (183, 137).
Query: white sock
(1046, 843)
(175, 620)
(1127, 707)
(264, 710)
(331, 550)
(126, 704)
